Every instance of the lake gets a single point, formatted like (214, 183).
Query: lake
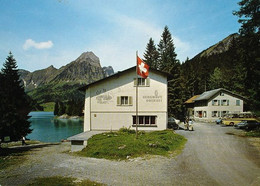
(47, 129)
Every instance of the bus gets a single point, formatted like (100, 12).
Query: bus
(235, 118)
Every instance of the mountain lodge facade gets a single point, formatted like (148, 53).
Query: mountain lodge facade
(110, 103)
(214, 104)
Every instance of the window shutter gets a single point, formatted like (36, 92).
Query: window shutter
(118, 100)
(147, 82)
(222, 102)
(212, 102)
(218, 102)
(135, 82)
(130, 100)
(227, 102)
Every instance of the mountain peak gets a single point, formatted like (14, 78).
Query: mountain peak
(87, 55)
(51, 67)
(85, 69)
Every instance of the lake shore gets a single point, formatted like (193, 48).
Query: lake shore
(47, 128)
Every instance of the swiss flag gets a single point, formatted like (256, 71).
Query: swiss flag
(142, 68)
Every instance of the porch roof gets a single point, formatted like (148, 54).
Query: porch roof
(191, 100)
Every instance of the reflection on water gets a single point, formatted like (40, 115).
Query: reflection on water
(47, 129)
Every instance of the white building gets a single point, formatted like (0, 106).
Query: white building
(110, 103)
(214, 104)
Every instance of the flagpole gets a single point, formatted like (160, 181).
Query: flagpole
(137, 119)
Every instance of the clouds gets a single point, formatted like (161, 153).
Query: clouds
(129, 35)
(114, 30)
(29, 43)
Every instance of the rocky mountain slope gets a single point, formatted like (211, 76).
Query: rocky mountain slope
(220, 47)
(108, 71)
(85, 69)
(37, 78)
(61, 84)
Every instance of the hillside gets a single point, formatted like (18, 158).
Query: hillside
(37, 78)
(232, 63)
(220, 47)
(199, 69)
(62, 84)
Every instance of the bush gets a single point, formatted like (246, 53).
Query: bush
(126, 130)
(254, 133)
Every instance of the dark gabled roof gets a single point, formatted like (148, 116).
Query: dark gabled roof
(120, 73)
(210, 94)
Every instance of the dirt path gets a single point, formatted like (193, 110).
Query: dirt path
(210, 157)
(228, 159)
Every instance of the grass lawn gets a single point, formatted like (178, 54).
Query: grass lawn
(48, 107)
(58, 180)
(123, 144)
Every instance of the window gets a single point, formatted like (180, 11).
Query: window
(238, 102)
(215, 114)
(145, 120)
(142, 82)
(221, 94)
(225, 102)
(199, 114)
(215, 102)
(124, 100)
(204, 114)
(223, 113)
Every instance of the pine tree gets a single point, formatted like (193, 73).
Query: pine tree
(169, 64)
(166, 49)
(249, 17)
(216, 79)
(15, 104)
(151, 54)
(56, 108)
(62, 108)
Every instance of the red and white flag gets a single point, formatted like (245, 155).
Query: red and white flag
(142, 68)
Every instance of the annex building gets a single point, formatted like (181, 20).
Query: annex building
(214, 104)
(110, 103)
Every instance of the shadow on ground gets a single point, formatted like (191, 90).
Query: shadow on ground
(18, 150)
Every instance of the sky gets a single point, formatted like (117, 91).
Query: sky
(41, 33)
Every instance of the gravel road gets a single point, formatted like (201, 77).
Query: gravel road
(210, 157)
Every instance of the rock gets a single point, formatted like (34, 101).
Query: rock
(152, 145)
(64, 116)
(122, 147)
(108, 71)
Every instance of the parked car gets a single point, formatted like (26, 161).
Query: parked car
(173, 123)
(218, 121)
(248, 124)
